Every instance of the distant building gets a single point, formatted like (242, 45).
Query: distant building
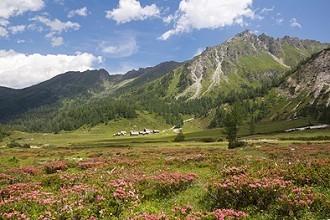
(134, 133)
(147, 131)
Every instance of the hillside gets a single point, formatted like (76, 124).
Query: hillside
(243, 63)
(306, 92)
(67, 85)
(244, 67)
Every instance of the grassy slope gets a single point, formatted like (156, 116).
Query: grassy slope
(261, 63)
(193, 130)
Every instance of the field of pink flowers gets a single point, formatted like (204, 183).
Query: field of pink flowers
(282, 182)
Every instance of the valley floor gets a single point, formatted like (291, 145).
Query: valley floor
(166, 180)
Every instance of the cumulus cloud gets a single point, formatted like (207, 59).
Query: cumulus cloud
(3, 32)
(295, 23)
(56, 25)
(10, 8)
(57, 41)
(81, 12)
(131, 10)
(210, 14)
(21, 70)
(17, 29)
(56, 28)
(126, 47)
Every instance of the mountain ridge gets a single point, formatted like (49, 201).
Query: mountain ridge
(62, 86)
(240, 55)
(245, 65)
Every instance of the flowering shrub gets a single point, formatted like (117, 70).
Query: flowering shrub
(219, 214)
(315, 171)
(84, 165)
(187, 213)
(146, 216)
(151, 183)
(53, 167)
(239, 191)
(234, 170)
(300, 200)
(164, 184)
(16, 175)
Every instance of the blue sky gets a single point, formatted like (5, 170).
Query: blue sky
(42, 38)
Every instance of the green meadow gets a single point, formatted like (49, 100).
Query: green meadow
(89, 174)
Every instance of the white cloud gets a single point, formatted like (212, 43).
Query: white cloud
(267, 10)
(199, 51)
(56, 25)
(10, 8)
(126, 47)
(256, 32)
(81, 12)
(17, 29)
(3, 22)
(3, 32)
(60, 2)
(131, 10)
(21, 41)
(279, 21)
(34, 27)
(20, 70)
(56, 28)
(210, 14)
(294, 23)
(57, 41)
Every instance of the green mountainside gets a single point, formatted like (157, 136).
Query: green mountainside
(243, 63)
(67, 85)
(272, 78)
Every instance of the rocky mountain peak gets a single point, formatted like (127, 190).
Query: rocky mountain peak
(245, 35)
(243, 59)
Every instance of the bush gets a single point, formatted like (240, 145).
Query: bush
(236, 144)
(25, 146)
(13, 144)
(208, 140)
(179, 137)
(243, 190)
(53, 167)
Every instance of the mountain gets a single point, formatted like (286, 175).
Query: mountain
(145, 75)
(70, 85)
(244, 67)
(6, 91)
(67, 85)
(129, 81)
(243, 62)
(307, 90)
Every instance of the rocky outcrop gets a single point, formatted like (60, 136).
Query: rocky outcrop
(312, 77)
(208, 71)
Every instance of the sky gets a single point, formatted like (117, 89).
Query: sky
(40, 39)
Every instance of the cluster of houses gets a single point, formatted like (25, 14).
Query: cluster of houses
(137, 133)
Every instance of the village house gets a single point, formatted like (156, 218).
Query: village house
(134, 133)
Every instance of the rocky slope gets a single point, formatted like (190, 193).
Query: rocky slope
(311, 80)
(246, 60)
